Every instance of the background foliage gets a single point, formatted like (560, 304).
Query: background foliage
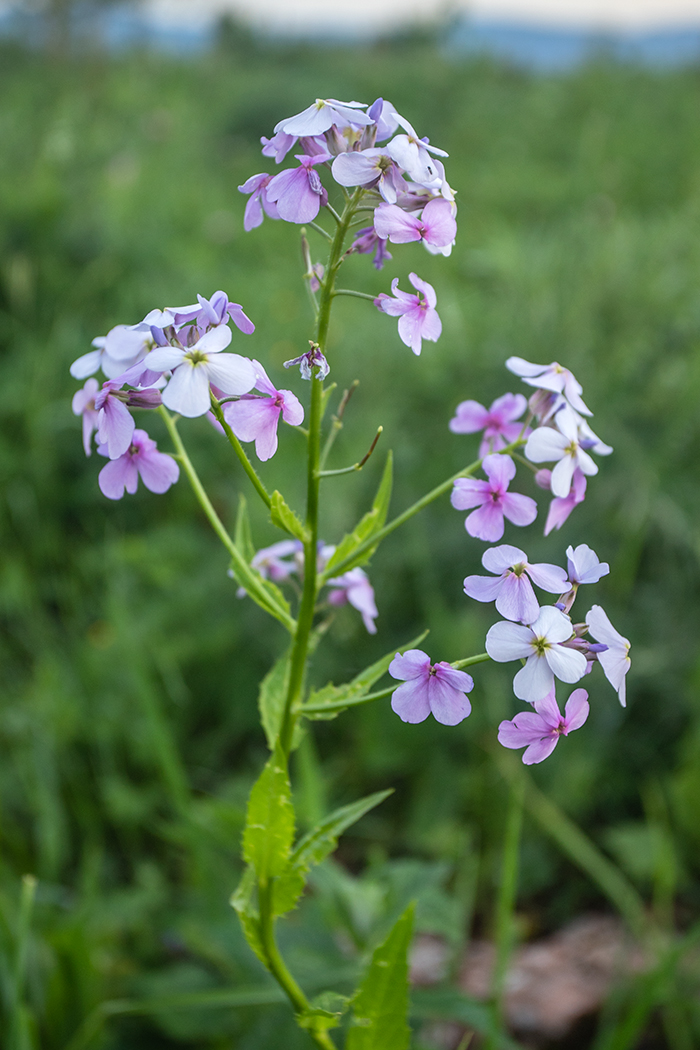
(128, 723)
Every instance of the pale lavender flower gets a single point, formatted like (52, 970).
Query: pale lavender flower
(550, 377)
(84, 405)
(615, 661)
(298, 192)
(323, 114)
(259, 202)
(539, 730)
(218, 309)
(270, 561)
(540, 645)
(370, 168)
(584, 565)
(497, 422)
(313, 358)
(156, 321)
(510, 588)
(115, 424)
(546, 444)
(413, 155)
(367, 241)
(560, 508)
(158, 471)
(113, 353)
(278, 147)
(255, 418)
(418, 318)
(436, 688)
(194, 369)
(436, 226)
(354, 587)
(493, 500)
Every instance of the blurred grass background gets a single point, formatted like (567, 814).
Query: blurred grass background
(128, 724)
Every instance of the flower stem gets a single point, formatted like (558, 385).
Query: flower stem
(240, 452)
(479, 659)
(357, 295)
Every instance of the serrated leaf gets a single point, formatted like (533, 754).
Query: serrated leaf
(271, 698)
(380, 1006)
(242, 536)
(287, 889)
(269, 829)
(372, 522)
(322, 840)
(337, 697)
(284, 517)
(242, 901)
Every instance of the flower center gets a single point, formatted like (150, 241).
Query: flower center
(196, 357)
(518, 569)
(540, 646)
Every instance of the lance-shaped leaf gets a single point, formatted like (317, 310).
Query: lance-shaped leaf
(372, 522)
(380, 1005)
(243, 902)
(269, 829)
(263, 592)
(329, 701)
(271, 698)
(284, 517)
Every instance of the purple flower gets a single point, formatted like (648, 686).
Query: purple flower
(615, 661)
(259, 202)
(158, 471)
(511, 589)
(539, 730)
(323, 114)
(278, 147)
(194, 369)
(436, 226)
(270, 563)
(418, 318)
(313, 358)
(218, 309)
(560, 508)
(429, 687)
(584, 565)
(540, 645)
(367, 241)
(370, 168)
(550, 377)
(84, 405)
(298, 192)
(115, 425)
(565, 445)
(256, 418)
(493, 500)
(354, 587)
(497, 422)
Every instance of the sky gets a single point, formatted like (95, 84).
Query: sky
(302, 15)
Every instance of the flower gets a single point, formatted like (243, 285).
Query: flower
(497, 422)
(115, 424)
(323, 114)
(84, 405)
(270, 563)
(413, 155)
(313, 358)
(113, 353)
(493, 500)
(550, 377)
(418, 318)
(370, 168)
(560, 508)
(511, 589)
(584, 565)
(259, 201)
(158, 471)
(436, 226)
(255, 418)
(193, 369)
(429, 687)
(615, 661)
(298, 192)
(539, 730)
(566, 446)
(218, 309)
(367, 241)
(354, 587)
(539, 644)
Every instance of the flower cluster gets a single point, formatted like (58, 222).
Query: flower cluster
(174, 357)
(397, 174)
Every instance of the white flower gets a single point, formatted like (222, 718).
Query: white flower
(540, 645)
(564, 444)
(615, 661)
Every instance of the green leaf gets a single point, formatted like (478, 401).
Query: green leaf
(372, 522)
(242, 901)
(326, 1012)
(271, 698)
(322, 840)
(269, 830)
(242, 536)
(337, 697)
(284, 517)
(265, 593)
(380, 1005)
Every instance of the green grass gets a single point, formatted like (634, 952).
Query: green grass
(128, 722)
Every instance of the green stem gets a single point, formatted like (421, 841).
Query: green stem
(480, 659)
(18, 1022)
(356, 295)
(240, 452)
(505, 905)
(249, 578)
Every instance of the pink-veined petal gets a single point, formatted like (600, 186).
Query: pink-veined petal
(449, 705)
(468, 493)
(540, 750)
(576, 710)
(486, 523)
(517, 600)
(469, 418)
(521, 510)
(414, 663)
(410, 701)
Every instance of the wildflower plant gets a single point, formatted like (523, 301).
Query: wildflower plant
(355, 164)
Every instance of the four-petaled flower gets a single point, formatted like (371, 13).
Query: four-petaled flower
(354, 587)
(418, 318)
(550, 377)
(497, 422)
(539, 730)
(615, 660)
(436, 688)
(511, 589)
(493, 500)
(255, 418)
(565, 445)
(158, 471)
(436, 225)
(258, 202)
(540, 645)
(298, 192)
